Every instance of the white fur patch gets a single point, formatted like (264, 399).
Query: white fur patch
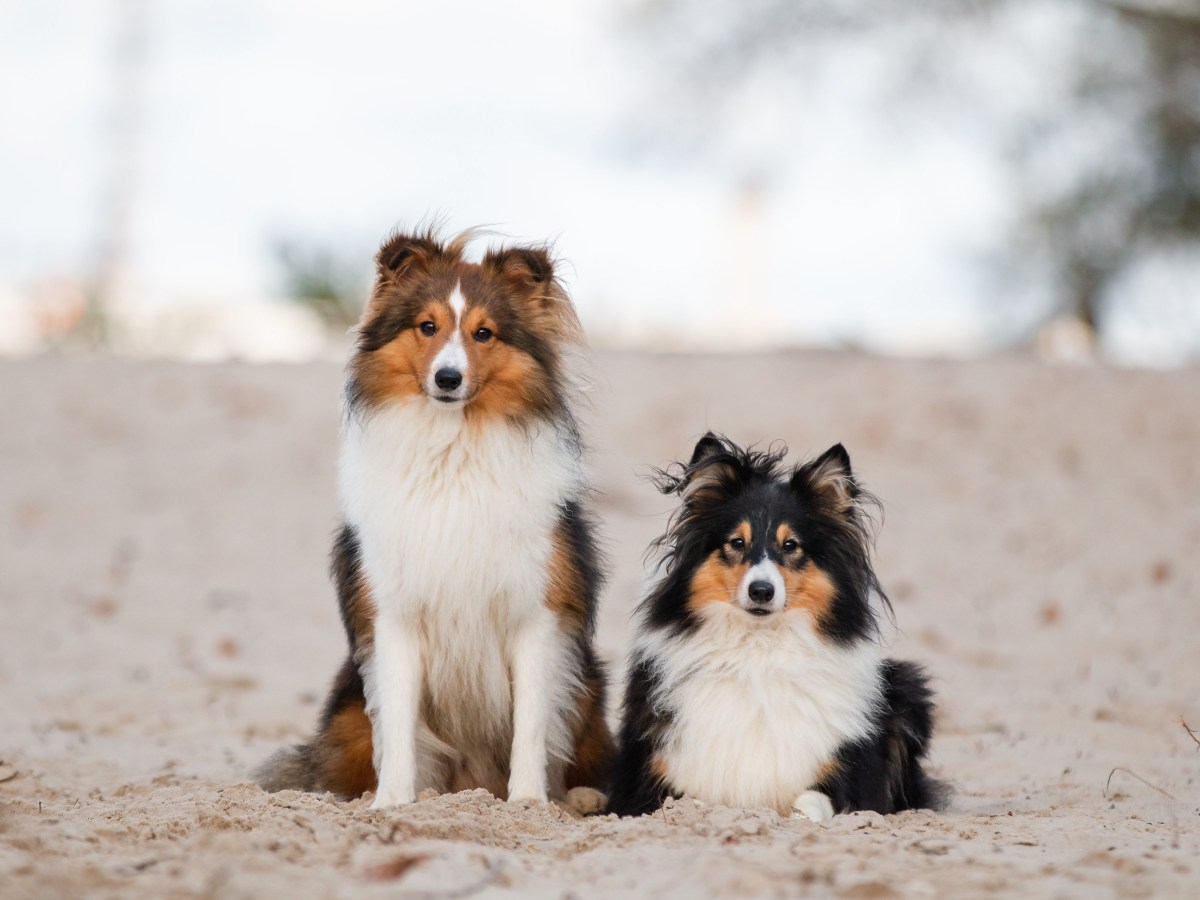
(457, 303)
(758, 706)
(813, 805)
(763, 571)
(455, 529)
(537, 664)
(453, 354)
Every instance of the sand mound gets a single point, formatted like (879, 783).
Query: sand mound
(168, 624)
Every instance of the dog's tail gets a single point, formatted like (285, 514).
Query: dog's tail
(909, 728)
(288, 769)
(340, 757)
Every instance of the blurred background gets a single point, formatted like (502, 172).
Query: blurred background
(208, 179)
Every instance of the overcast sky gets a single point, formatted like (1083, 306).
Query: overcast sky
(335, 121)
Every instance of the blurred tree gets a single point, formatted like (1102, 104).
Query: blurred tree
(1100, 218)
(1106, 157)
(318, 278)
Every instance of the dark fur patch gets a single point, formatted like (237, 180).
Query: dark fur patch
(638, 786)
(883, 772)
(353, 595)
(576, 578)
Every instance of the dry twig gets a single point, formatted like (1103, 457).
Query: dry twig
(1191, 733)
(1132, 775)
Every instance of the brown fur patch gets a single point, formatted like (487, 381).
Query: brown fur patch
(354, 595)
(344, 753)
(360, 609)
(566, 597)
(397, 370)
(505, 383)
(389, 373)
(658, 768)
(715, 581)
(594, 748)
(529, 274)
(566, 593)
(829, 770)
(473, 319)
(810, 589)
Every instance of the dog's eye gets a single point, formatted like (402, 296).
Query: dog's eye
(483, 335)
(737, 544)
(428, 329)
(790, 546)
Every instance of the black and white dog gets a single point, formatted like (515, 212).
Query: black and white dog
(756, 678)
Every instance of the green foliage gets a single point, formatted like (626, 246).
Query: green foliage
(319, 278)
(1105, 163)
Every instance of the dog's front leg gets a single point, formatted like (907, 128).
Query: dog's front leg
(393, 703)
(533, 653)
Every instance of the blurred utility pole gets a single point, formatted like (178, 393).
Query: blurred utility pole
(124, 133)
(746, 261)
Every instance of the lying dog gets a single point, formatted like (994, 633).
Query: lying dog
(756, 677)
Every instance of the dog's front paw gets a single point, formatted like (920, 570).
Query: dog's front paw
(390, 797)
(528, 798)
(527, 793)
(813, 805)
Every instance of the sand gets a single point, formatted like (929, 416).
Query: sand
(167, 623)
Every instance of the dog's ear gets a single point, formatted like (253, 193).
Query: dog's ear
(401, 254)
(526, 266)
(530, 273)
(715, 466)
(709, 445)
(828, 480)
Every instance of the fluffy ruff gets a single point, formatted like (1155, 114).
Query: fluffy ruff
(467, 570)
(756, 677)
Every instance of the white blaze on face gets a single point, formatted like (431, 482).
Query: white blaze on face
(453, 354)
(763, 570)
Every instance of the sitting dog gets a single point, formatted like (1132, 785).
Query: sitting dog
(467, 570)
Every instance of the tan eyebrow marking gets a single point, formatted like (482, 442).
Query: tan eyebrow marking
(783, 532)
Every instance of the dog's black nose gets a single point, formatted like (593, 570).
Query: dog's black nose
(761, 591)
(447, 379)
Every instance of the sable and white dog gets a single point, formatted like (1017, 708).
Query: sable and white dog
(467, 571)
(756, 679)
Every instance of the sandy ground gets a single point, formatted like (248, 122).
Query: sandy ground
(167, 623)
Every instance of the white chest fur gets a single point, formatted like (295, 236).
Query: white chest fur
(449, 515)
(455, 525)
(758, 709)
